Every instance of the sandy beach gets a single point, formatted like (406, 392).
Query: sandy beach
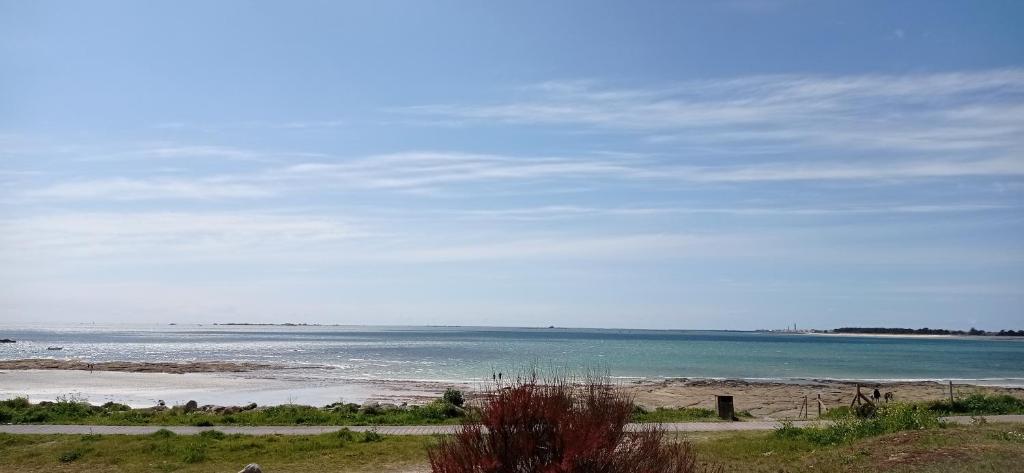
(783, 400)
(233, 386)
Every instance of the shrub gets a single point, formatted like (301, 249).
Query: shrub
(371, 436)
(345, 435)
(16, 403)
(558, 426)
(212, 434)
(113, 406)
(163, 434)
(440, 409)
(70, 456)
(454, 397)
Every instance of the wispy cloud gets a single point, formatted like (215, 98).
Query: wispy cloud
(123, 189)
(162, 234)
(553, 212)
(422, 172)
(912, 112)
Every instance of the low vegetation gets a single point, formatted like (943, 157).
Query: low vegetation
(962, 449)
(973, 404)
(559, 426)
(957, 449)
(210, 451)
(679, 414)
(887, 419)
(72, 411)
(979, 404)
(451, 408)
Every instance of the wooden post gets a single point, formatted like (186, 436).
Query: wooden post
(950, 393)
(819, 404)
(725, 407)
(805, 407)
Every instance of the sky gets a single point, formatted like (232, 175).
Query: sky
(738, 164)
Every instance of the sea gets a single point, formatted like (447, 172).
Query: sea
(474, 354)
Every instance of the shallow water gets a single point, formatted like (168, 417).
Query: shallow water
(473, 354)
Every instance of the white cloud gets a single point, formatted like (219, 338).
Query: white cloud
(146, 189)
(911, 112)
(935, 168)
(161, 235)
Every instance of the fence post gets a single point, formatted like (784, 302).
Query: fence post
(725, 407)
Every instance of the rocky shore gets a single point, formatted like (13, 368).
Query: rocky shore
(133, 367)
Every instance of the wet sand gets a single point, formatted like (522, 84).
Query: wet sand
(132, 367)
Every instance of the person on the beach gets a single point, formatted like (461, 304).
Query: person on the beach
(876, 395)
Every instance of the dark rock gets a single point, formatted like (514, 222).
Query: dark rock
(249, 407)
(7, 340)
(191, 406)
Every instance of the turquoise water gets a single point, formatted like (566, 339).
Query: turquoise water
(468, 354)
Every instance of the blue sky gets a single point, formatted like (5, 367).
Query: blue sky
(737, 164)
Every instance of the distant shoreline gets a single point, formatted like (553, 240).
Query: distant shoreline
(910, 335)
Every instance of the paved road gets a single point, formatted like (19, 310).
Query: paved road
(400, 429)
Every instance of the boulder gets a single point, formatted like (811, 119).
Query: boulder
(370, 407)
(249, 407)
(252, 468)
(7, 340)
(191, 406)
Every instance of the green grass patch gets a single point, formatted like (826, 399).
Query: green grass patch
(889, 418)
(668, 414)
(962, 449)
(70, 411)
(955, 449)
(216, 451)
(980, 404)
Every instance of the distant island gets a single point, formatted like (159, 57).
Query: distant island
(927, 331)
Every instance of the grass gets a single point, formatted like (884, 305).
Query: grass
(980, 404)
(70, 411)
(211, 451)
(440, 411)
(889, 418)
(971, 404)
(960, 449)
(968, 449)
(666, 414)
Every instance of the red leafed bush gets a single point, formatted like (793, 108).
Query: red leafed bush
(559, 426)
